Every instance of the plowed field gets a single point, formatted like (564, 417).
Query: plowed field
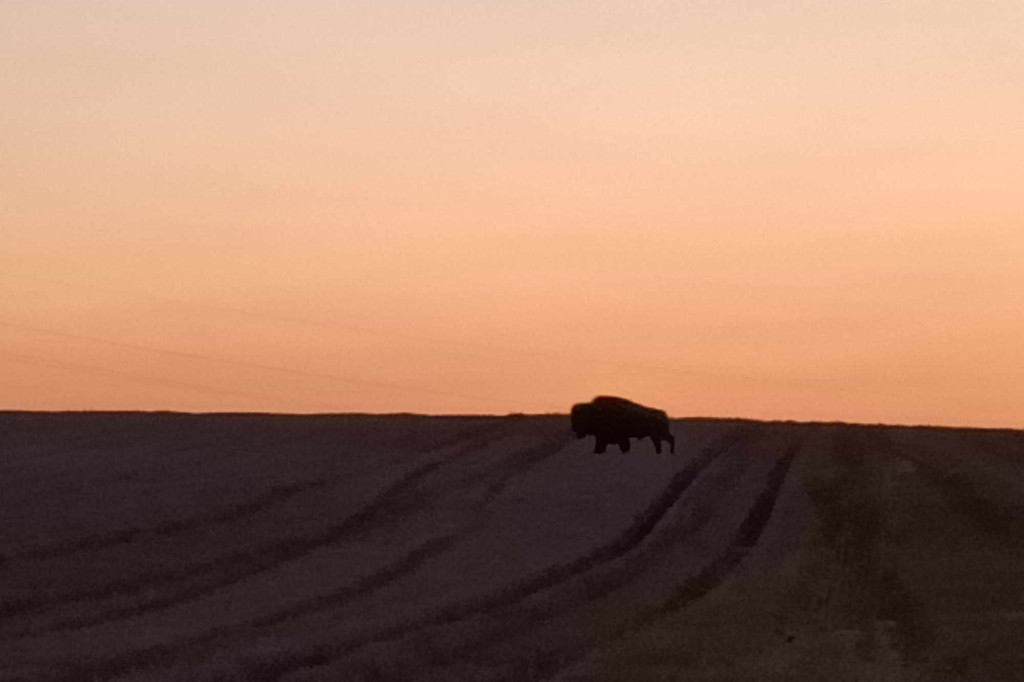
(349, 547)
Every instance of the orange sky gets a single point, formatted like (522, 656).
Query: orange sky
(771, 210)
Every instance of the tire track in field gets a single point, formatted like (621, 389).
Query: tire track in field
(214, 573)
(744, 540)
(530, 619)
(961, 493)
(549, 665)
(856, 584)
(227, 446)
(277, 494)
(959, 480)
(206, 642)
(194, 580)
(643, 525)
(850, 514)
(164, 654)
(546, 664)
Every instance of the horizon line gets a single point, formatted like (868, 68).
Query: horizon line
(483, 415)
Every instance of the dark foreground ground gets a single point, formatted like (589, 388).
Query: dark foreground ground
(260, 547)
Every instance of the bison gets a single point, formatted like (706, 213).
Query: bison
(616, 420)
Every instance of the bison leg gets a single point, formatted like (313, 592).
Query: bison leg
(657, 444)
(624, 445)
(600, 445)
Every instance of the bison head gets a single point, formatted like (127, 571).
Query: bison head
(582, 420)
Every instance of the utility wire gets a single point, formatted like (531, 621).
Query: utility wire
(369, 331)
(137, 378)
(354, 329)
(270, 368)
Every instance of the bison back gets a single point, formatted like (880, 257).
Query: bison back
(618, 418)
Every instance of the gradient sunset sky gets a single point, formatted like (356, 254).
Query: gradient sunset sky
(802, 210)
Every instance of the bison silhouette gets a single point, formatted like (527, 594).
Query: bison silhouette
(616, 420)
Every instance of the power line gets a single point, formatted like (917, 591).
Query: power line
(355, 329)
(137, 378)
(270, 368)
(573, 358)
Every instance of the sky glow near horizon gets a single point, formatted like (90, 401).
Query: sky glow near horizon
(770, 210)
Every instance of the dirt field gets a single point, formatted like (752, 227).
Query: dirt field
(261, 547)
